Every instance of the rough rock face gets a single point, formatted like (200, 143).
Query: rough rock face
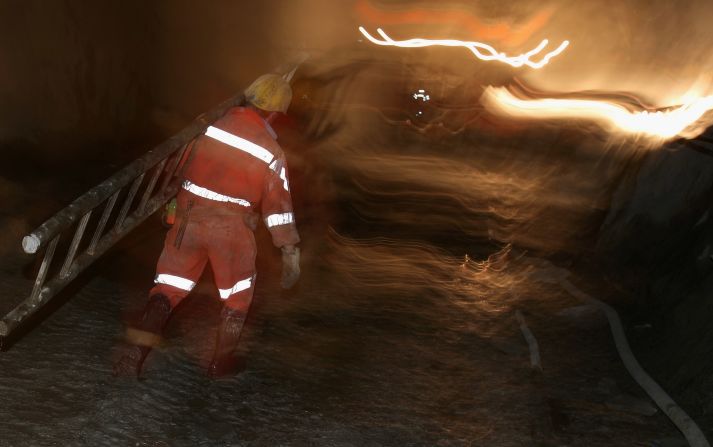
(659, 224)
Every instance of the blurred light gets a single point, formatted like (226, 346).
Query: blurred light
(488, 53)
(678, 121)
(421, 94)
(456, 16)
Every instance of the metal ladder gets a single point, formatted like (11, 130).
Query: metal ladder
(158, 166)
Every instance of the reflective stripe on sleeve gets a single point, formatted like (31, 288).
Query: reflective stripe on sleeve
(274, 220)
(243, 284)
(275, 165)
(212, 195)
(242, 144)
(175, 281)
(283, 176)
(278, 168)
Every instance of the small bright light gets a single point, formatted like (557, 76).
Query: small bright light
(421, 94)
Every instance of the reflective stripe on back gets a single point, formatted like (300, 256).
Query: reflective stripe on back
(212, 195)
(242, 144)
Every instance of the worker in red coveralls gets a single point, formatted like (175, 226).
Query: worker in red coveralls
(230, 173)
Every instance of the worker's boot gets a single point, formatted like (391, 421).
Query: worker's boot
(144, 337)
(225, 358)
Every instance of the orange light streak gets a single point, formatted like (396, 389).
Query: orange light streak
(481, 50)
(679, 121)
(505, 32)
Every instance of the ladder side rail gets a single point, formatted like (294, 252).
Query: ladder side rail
(47, 290)
(97, 195)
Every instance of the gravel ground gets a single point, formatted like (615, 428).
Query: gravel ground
(327, 364)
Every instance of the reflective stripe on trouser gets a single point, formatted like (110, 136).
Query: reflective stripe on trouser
(224, 241)
(238, 287)
(175, 281)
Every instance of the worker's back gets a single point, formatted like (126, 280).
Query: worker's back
(233, 158)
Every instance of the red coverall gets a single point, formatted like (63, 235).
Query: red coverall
(234, 168)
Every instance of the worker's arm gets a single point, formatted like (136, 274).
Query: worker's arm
(280, 220)
(277, 210)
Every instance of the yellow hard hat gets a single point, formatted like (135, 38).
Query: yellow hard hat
(270, 92)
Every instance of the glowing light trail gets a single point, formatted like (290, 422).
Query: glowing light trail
(461, 17)
(680, 121)
(481, 50)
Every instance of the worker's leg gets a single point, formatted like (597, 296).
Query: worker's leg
(232, 320)
(143, 336)
(179, 267)
(232, 257)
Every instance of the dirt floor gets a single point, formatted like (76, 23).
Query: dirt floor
(327, 364)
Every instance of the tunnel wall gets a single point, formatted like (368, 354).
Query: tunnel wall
(72, 72)
(77, 73)
(75, 85)
(207, 52)
(659, 226)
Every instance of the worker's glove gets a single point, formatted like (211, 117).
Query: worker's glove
(290, 266)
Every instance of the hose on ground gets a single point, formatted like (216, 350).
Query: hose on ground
(685, 424)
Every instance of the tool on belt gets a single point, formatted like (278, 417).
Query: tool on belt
(169, 213)
(184, 224)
